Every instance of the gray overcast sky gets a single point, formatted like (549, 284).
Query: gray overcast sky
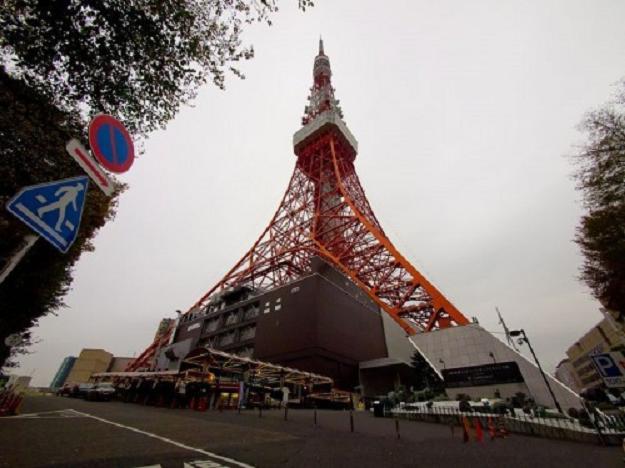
(465, 112)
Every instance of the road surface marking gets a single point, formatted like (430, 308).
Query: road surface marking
(45, 415)
(166, 440)
(193, 464)
(203, 464)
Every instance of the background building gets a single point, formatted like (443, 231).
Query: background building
(91, 361)
(475, 363)
(119, 364)
(63, 372)
(18, 383)
(606, 336)
(322, 323)
(565, 373)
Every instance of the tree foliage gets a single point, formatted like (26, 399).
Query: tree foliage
(33, 133)
(136, 59)
(423, 376)
(62, 61)
(601, 179)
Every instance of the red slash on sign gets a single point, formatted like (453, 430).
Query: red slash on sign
(84, 159)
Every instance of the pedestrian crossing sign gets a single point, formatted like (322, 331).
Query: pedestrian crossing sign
(53, 210)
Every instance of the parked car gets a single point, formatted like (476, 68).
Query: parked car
(103, 391)
(68, 390)
(82, 390)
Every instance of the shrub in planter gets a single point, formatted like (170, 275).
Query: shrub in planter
(464, 406)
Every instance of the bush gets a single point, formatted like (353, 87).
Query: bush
(500, 407)
(573, 413)
(518, 400)
(424, 395)
(584, 418)
(605, 405)
(464, 406)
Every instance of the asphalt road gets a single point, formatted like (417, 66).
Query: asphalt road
(55, 431)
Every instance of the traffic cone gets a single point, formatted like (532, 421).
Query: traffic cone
(491, 428)
(15, 407)
(479, 433)
(201, 404)
(501, 428)
(465, 429)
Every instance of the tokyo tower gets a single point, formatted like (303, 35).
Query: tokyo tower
(325, 213)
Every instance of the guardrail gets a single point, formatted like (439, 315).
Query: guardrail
(606, 430)
(10, 402)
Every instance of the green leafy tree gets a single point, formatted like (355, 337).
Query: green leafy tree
(139, 60)
(601, 179)
(423, 376)
(33, 133)
(61, 62)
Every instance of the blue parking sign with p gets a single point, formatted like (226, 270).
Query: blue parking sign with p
(611, 368)
(606, 366)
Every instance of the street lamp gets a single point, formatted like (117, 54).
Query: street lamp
(521, 333)
(492, 356)
(443, 363)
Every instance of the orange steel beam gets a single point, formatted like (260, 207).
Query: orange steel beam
(320, 215)
(438, 300)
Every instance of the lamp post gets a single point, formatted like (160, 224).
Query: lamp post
(521, 333)
(493, 357)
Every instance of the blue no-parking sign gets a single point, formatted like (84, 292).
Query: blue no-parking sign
(111, 143)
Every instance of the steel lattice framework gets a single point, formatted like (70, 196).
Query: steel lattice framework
(325, 213)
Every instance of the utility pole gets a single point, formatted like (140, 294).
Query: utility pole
(28, 241)
(515, 333)
(505, 329)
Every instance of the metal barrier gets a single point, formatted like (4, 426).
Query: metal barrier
(10, 402)
(608, 430)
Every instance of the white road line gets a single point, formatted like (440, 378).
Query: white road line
(166, 440)
(44, 414)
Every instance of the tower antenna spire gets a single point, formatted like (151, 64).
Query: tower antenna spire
(321, 46)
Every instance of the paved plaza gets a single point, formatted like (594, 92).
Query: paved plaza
(55, 431)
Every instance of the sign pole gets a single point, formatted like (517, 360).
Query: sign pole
(27, 242)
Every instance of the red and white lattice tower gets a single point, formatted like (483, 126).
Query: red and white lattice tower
(325, 213)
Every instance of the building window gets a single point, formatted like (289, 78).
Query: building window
(231, 318)
(227, 339)
(295, 290)
(211, 325)
(246, 352)
(251, 311)
(278, 307)
(248, 333)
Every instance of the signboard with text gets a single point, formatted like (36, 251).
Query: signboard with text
(486, 374)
